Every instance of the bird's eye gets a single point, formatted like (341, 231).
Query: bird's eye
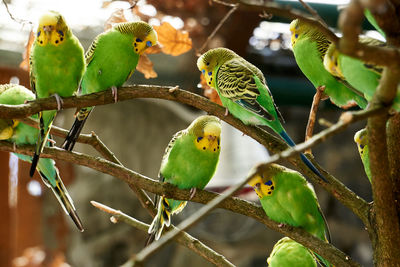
(138, 40)
(148, 43)
(208, 63)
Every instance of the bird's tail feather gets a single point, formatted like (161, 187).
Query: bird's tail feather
(76, 129)
(306, 161)
(63, 198)
(162, 218)
(42, 138)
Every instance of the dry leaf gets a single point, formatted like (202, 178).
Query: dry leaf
(25, 57)
(116, 17)
(145, 66)
(209, 92)
(174, 42)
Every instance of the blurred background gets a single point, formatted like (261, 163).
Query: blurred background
(34, 230)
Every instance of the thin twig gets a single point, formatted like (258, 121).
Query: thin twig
(313, 114)
(313, 12)
(21, 21)
(234, 7)
(183, 238)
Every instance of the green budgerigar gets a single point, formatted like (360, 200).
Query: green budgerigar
(363, 76)
(56, 68)
(23, 134)
(111, 60)
(289, 253)
(288, 198)
(243, 90)
(361, 139)
(189, 162)
(309, 48)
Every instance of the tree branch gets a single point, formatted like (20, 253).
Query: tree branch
(183, 238)
(238, 206)
(272, 143)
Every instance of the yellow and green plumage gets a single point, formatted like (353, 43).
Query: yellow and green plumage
(111, 60)
(309, 48)
(56, 68)
(361, 139)
(288, 198)
(23, 134)
(243, 90)
(289, 253)
(189, 162)
(361, 75)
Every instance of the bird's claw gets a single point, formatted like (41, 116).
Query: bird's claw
(59, 100)
(114, 92)
(51, 141)
(173, 89)
(226, 112)
(14, 147)
(192, 192)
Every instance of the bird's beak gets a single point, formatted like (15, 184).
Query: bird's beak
(48, 29)
(212, 138)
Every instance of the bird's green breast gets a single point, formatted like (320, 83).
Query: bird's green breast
(58, 69)
(113, 61)
(187, 166)
(293, 202)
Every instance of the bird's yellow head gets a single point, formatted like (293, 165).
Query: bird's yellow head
(331, 62)
(210, 61)
(144, 36)
(52, 29)
(207, 132)
(262, 185)
(7, 128)
(361, 140)
(297, 28)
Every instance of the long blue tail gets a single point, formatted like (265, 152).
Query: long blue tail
(306, 161)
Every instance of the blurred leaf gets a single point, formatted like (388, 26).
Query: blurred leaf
(145, 66)
(174, 42)
(155, 49)
(116, 17)
(25, 57)
(209, 92)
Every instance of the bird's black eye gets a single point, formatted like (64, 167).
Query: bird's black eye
(208, 63)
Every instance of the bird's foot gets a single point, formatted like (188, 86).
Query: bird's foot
(52, 141)
(114, 92)
(226, 112)
(281, 225)
(14, 147)
(192, 192)
(59, 100)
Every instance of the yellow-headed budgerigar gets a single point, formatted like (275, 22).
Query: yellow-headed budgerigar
(189, 162)
(111, 60)
(288, 198)
(289, 253)
(309, 48)
(56, 68)
(23, 134)
(244, 92)
(361, 139)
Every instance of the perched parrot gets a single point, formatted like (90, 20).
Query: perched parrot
(243, 90)
(288, 198)
(22, 134)
(289, 253)
(111, 60)
(56, 68)
(309, 48)
(189, 162)
(373, 22)
(361, 139)
(363, 76)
